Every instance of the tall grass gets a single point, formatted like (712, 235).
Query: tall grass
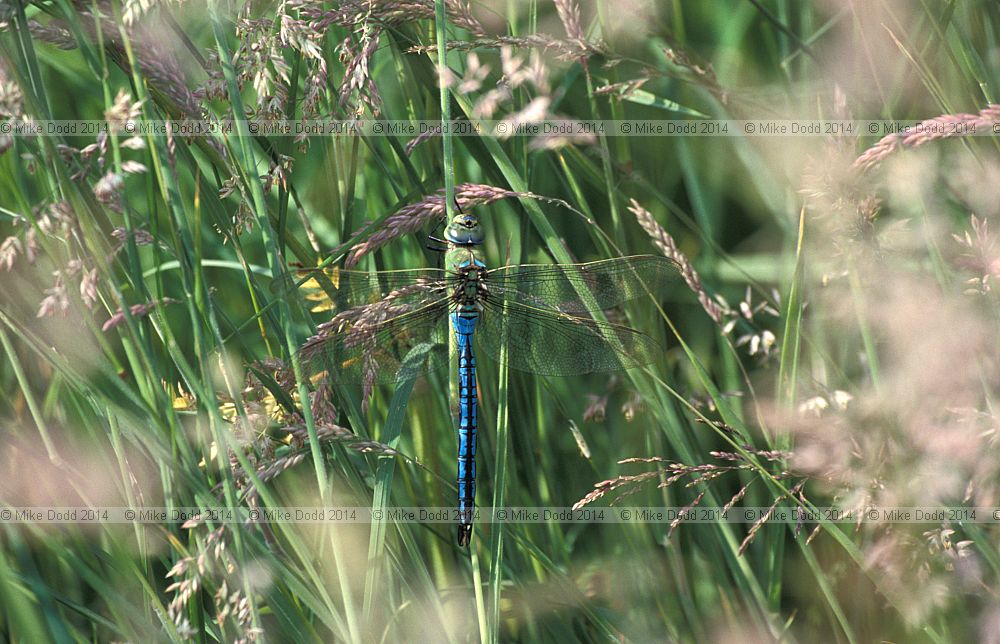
(833, 340)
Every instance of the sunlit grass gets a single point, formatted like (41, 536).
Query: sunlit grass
(832, 339)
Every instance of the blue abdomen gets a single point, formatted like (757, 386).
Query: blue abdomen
(464, 322)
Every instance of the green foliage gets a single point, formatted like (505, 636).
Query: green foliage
(150, 340)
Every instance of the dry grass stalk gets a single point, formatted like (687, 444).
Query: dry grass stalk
(569, 13)
(366, 21)
(764, 518)
(684, 511)
(979, 254)
(665, 242)
(563, 49)
(136, 311)
(411, 218)
(701, 73)
(940, 127)
(358, 13)
(672, 472)
(360, 327)
(212, 567)
(155, 58)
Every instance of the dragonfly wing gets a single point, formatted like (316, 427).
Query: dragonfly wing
(608, 282)
(339, 290)
(560, 344)
(384, 342)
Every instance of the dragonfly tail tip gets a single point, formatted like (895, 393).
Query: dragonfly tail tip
(464, 535)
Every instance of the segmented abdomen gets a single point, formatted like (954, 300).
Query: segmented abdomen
(464, 322)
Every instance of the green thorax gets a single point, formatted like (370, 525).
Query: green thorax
(464, 235)
(458, 256)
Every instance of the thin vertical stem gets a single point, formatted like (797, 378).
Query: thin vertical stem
(440, 25)
(29, 397)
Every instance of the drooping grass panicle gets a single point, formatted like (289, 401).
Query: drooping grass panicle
(360, 323)
(940, 127)
(564, 49)
(357, 70)
(271, 467)
(153, 54)
(52, 33)
(56, 300)
(629, 483)
(665, 242)
(212, 568)
(9, 250)
(686, 68)
(671, 472)
(366, 21)
(427, 135)
(332, 432)
(700, 72)
(360, 326)
(271, 455)
(260, 61)
(11, 99)
(355, 13)
(767, 516)
(411, 218)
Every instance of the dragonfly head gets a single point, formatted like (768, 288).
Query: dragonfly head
(464, 230)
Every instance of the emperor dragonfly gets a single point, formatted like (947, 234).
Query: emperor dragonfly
(390, 326)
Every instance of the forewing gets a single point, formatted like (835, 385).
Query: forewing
(339, 290)
(383, 342)
(608, 282)
(560, 344)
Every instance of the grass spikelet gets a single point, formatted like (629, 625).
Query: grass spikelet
(662, 240)
(569, 13)
(413, 217)
(764, 518)
(941, 127)
(136, 311)
(563, 49)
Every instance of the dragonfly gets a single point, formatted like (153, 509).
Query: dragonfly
(393, 325)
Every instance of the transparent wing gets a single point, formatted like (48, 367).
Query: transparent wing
(335, 289)
(560, 344)
(558, 286)
(400, 336)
